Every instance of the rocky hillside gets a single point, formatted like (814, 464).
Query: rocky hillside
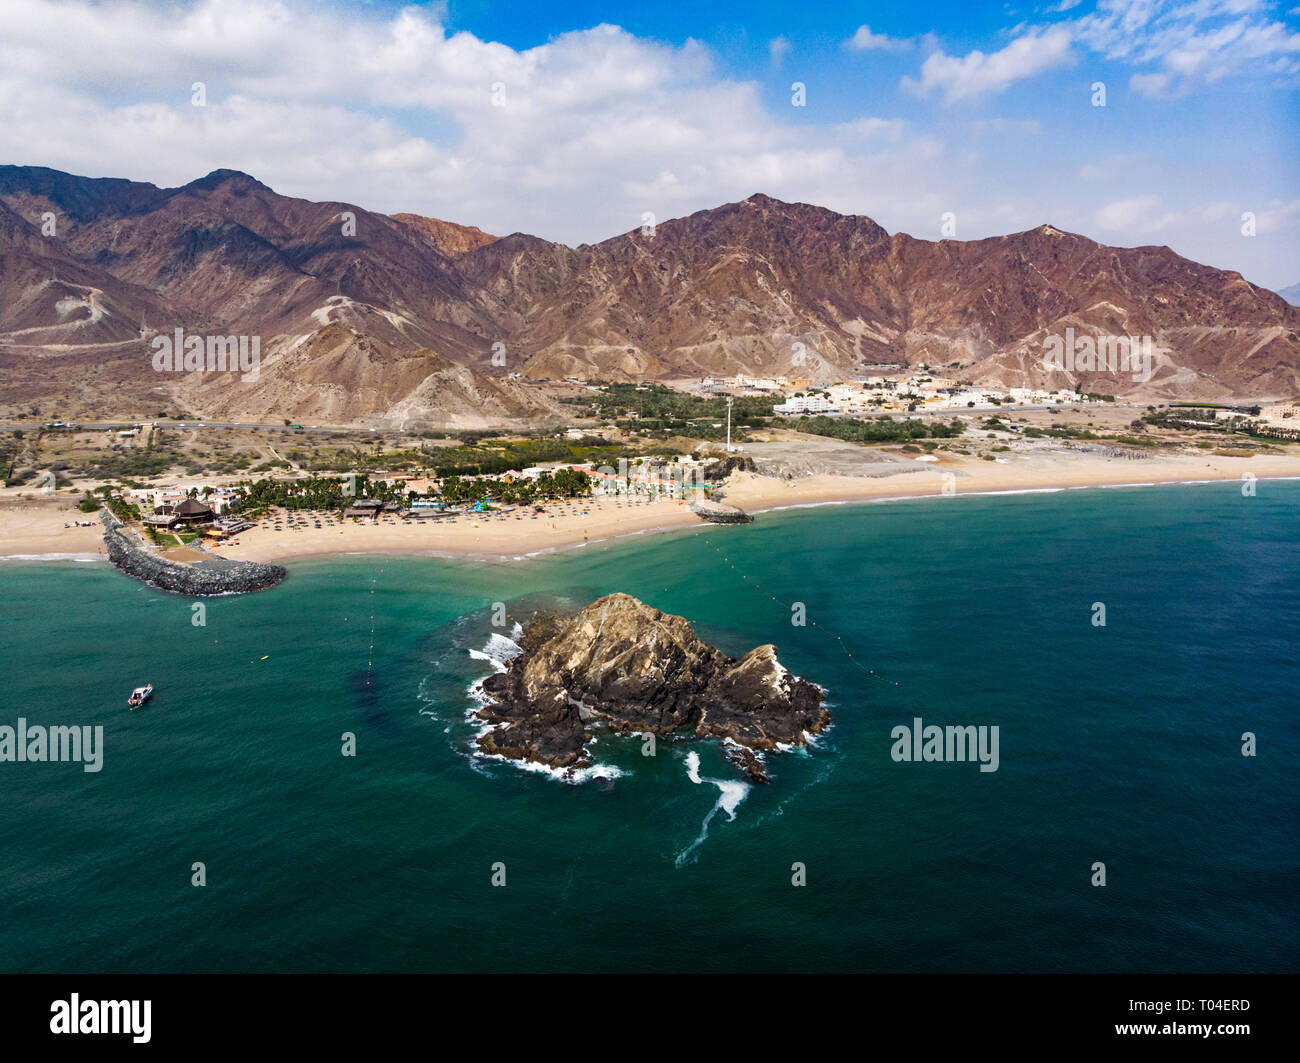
(446, 236)
(54, 299)
(765, 287)
(760, 287)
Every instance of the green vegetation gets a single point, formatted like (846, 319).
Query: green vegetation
(663, 411)
(883, 430)
(137, 464)
(1208, 417)
(1064, 432)
(564, 483)
(1195, 406)
(119, 508)
(317, 492)
(658, 402)
(492, 457)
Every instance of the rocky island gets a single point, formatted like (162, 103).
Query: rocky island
(716, 512)
(625, 665)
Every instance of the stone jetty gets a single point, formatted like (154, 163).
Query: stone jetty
(213, 575)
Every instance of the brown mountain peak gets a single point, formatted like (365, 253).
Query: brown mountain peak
(236, 180)
(447, 237)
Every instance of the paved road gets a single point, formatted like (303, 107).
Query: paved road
(94, 426)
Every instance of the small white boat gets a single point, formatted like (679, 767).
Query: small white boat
(140, 695)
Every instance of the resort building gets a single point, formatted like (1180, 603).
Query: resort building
(192, 511)
(806, 404)
(179, 514)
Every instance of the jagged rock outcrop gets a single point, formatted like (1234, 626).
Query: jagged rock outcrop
(446, 236)
(720, 468)
(626, 665)
(719, 512)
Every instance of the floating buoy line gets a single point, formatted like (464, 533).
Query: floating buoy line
(839, 639)
(370, 659)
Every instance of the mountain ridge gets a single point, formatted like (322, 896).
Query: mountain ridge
(758, 286)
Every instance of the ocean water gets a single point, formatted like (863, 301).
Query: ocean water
(1119, 744)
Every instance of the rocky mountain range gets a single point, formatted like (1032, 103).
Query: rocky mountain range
(367, 318)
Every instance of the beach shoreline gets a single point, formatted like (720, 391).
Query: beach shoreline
(32, 529)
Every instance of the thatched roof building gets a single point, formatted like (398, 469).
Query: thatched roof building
(192, 510)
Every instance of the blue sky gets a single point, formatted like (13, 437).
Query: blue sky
(572, 122)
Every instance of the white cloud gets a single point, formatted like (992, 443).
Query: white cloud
(1177, 46)
(1152, 86)
(883, 128)
(1136, 216)
(1216, 221)
(393, 112)
(1185, 44)
(777, 49)
(863, 40)
(976, 73)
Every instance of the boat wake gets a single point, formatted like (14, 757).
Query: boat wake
(731, 794)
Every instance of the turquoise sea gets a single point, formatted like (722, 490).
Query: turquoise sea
(1120, 744)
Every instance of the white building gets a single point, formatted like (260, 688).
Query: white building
(803, 404)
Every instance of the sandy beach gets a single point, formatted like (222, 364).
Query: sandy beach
(34, 527)
(568, 526)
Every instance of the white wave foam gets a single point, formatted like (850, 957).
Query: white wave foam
(478, 696)
(480, 655)
(730, 794)
(571, 776)
(499, 647)
(51, 557)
